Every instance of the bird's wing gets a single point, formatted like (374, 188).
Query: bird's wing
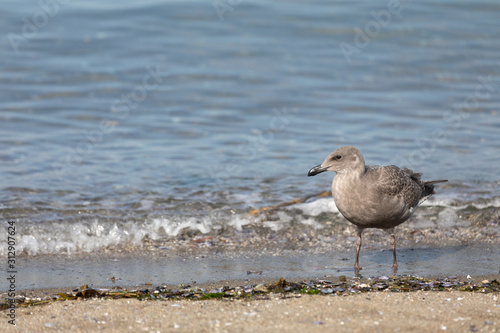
(395, 182)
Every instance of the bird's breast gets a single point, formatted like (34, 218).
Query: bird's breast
(365, 206)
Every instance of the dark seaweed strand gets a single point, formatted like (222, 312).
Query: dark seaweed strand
(282, 288)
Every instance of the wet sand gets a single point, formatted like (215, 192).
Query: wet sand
(202, 264)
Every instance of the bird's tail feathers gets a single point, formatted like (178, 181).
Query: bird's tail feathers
(429, 187)
(430, 182)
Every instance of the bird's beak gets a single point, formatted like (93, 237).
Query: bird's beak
(317, 169)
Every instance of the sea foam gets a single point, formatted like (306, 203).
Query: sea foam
(96, 234)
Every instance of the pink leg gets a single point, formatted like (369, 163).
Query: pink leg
(393, 243)
(357, 267)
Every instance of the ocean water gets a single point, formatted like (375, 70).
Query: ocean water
(126, 121)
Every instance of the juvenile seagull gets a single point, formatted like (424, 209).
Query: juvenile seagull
(373, 196)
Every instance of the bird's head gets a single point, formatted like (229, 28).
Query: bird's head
(344, 159)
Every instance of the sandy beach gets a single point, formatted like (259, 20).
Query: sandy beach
(382, 311)
(374, 312)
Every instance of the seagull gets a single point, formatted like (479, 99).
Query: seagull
(372, 196)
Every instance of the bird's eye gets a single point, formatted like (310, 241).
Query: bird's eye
(338, 157)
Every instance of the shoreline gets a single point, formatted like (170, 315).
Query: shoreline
(253, 280)
(232, 284)
(207, 265)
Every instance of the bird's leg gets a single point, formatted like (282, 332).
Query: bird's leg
(393, 243)
(357, 267)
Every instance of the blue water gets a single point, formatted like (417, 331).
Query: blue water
(117, 113)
